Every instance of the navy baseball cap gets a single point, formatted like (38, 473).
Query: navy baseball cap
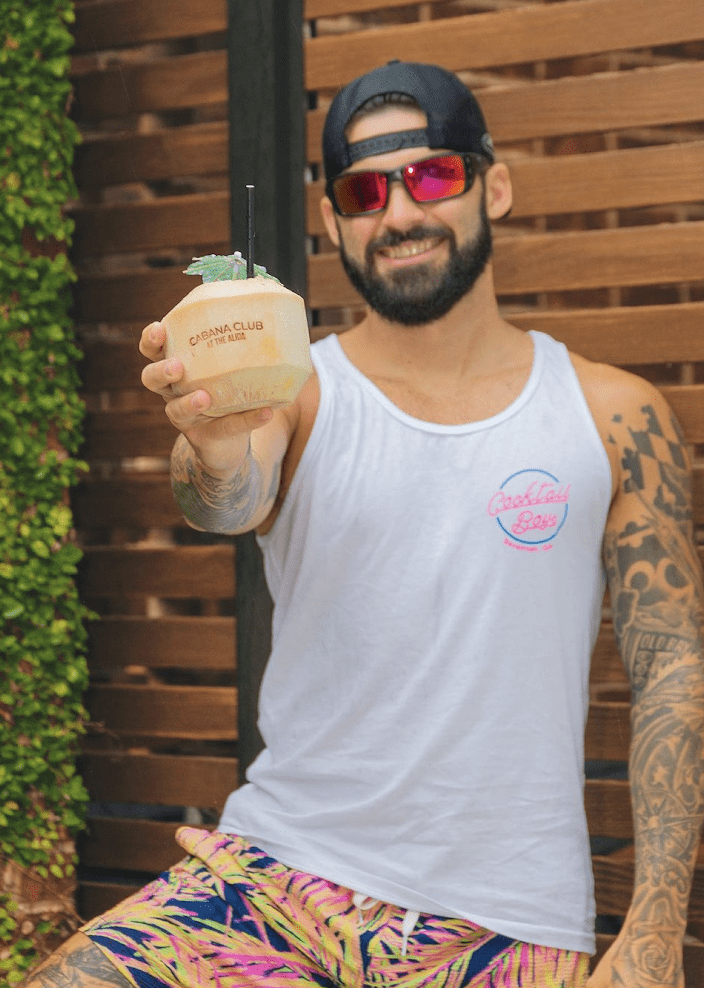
(455, 120)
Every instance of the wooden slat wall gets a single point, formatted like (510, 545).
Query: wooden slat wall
(599, 111)
(150, 98)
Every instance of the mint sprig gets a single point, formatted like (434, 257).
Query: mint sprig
(225, 267)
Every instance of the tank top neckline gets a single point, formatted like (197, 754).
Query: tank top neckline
(346, 365)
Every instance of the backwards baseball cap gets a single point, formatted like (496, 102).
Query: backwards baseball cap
(455, 120)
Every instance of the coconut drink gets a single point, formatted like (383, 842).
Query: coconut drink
(241, 336)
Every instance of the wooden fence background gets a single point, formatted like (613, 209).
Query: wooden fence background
(597, 106)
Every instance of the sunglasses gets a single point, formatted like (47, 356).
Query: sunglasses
(428, 180)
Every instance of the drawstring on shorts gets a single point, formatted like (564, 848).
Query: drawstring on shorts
(411, 917)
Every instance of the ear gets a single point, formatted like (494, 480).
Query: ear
(499, 192)
(330, 220)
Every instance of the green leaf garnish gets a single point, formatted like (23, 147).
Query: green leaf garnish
(225, 267)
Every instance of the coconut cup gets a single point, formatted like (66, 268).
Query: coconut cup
(243, 341)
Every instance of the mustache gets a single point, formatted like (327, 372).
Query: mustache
(393, 238)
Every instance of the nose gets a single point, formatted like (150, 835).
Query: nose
(402, 212)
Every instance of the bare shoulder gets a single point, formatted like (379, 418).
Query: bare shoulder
(611, 391)
(78, 963)
(631, 415)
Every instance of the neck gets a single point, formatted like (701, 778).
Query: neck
(472, 339)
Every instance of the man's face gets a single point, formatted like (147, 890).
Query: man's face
(414, 261)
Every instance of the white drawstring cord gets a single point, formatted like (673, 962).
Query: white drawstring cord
(407, 927)
(362, 902)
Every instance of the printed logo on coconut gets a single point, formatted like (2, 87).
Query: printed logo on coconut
(530, 508)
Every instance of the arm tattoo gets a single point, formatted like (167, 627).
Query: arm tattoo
(656, 595)
(80, 967)
(224, 506)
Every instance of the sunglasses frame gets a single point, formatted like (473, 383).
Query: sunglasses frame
(474, 165)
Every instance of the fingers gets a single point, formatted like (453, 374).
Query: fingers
(151, 343)
(188, 415)
(159, 376)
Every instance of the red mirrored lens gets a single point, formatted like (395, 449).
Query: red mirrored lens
(436, 178)
(360, 192)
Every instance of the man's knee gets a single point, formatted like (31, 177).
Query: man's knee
(78, 963)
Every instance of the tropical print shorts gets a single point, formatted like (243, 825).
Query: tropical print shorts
(230, 916)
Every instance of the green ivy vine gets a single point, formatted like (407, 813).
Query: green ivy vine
(42, 635)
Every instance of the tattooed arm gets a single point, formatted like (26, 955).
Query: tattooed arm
(655, 586)
(225, 472)
(234, 500)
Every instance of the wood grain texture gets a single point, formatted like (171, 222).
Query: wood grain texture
(196, 80)
(527, 34)
(179, 572)
(117, 159)
(159, 780)
(170, 221)
(114, 23)
(198, 643)
(202, 713)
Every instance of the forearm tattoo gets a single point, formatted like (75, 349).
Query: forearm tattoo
(223, 506)
(82, 966)
(656, 595)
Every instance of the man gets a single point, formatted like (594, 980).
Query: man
(436, 512)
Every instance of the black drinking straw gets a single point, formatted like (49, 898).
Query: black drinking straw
(250, 231)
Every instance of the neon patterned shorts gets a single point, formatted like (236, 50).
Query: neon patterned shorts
(230, 916)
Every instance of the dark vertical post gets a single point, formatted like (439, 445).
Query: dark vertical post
(267, 125)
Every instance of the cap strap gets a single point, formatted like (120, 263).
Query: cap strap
(395, 141)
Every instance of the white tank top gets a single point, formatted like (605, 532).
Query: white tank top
(437, 595)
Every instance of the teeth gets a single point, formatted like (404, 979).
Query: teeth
(410, 248)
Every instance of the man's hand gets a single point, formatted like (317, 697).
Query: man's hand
(649, 961)
(221, 444)
(224, 479)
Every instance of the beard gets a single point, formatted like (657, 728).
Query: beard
(423, 294)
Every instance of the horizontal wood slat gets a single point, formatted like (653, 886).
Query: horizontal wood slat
(582, 183)
(205, 713)
(130, 845)
(668, 253)
(132, 501)
(114, 435)
(608, 807)
(608, 731)
(599, 103)
(162, 84)
(94, 898)
(166, 642)
(607, 665)
(109, 365)
(687, 402)
(180, 572)
(171, 221)
(159, 780)
(115, 23)
(644, 334)
(141, 296)
(116, 159)
(333, 8)
(525, 34)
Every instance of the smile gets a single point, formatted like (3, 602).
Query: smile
(410, 248)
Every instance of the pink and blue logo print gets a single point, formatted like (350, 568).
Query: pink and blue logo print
(530, 508)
